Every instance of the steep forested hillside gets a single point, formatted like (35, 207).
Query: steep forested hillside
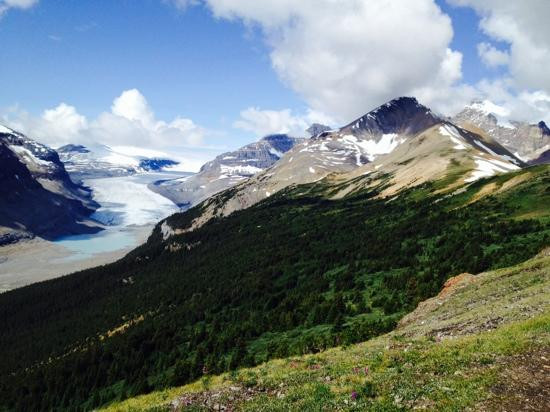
(482, 344)
(296, 273)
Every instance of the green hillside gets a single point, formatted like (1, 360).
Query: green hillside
(295, 274)
(483, 344)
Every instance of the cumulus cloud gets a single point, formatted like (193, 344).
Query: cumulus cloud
(5, 5)
(131, 122)
(524, 105)
(264, 122)
(523, 27)
(492, 56)
(346, 57)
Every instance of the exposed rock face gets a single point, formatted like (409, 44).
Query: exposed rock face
(403, 115)
(451, 286)
(37, 196)
(226, 170)
(316, 129)
(544, 158)
(526, 140)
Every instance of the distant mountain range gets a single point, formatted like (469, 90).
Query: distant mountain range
(227, 169)
(260, 169)
(399, 145)
(37, 196)
(104, 161)
(527, 141)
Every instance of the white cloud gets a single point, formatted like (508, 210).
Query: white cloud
(346, 57)
(131, 122)
(5, 5)
(492, 56)
(264, 122)
(63, 122)
(131, 105)
(523, 27)
(529, 106)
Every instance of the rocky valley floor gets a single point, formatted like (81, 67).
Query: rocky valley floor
(37, 259)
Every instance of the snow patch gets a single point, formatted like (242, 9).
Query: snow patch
(370, 148)
(501, 113)
(510, 159)
(275, 152)
(239, 170)
(485, 147)
(454, 135)
(4, 129)
(487, 168)
(26, 153)
(488, 107)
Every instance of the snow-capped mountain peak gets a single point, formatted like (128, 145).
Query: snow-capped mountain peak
(488, 107)
(228, 169)
(103, 161)
(37, 195)
(523, 139)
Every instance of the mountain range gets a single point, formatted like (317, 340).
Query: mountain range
(100, 161)
(332, 244)
(37, 196)
(275, 162)
(227, 170)
(527, 141)
(400, 144)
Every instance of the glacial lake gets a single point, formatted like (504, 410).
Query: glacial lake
(126, 203)
(86, 246)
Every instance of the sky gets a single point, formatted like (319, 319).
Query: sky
(194, 78)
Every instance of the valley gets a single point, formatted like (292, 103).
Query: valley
(127, 213)
(282, 248)
(275, 206)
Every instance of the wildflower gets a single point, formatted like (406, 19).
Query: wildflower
(354, 395)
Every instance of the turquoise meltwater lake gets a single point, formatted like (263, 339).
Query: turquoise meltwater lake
(86, 246)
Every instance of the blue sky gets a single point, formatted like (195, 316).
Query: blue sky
(86, 52)
(236, 70)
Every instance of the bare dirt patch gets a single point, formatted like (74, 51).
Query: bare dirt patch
(524, 384)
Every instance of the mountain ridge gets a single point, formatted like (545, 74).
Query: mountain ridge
(37, 196)
(226, 170)
(525, 140)
(376, 144)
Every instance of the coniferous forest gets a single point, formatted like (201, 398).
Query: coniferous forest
(294, 274)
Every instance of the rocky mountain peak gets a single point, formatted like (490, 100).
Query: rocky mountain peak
(521, 138)
(280, 142)
(404, 115)
(544, 128)
(76, 148)
(317, 128)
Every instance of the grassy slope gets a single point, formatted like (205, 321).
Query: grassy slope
(459, 352)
